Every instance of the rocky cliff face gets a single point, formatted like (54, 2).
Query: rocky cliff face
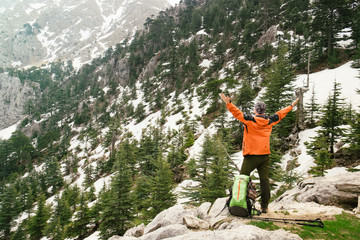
(13, 96)
(39, 31)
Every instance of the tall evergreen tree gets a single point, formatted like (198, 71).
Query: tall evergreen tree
(38, 223)
(312, 108)
(118, 211)
(353, 137)
(79, 226)
(9, 209)
(318, 148)
(161, 185)
(219, 177)
(213, 171)
(336, 12)
(52, 177)
(60, 218)
(333, 117)
(279, 91)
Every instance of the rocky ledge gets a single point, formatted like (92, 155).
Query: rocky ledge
(315, 197)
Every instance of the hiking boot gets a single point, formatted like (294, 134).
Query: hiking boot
(264, 210)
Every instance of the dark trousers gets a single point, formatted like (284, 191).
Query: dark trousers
(262, 164)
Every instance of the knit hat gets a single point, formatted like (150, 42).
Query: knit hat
(260, 107)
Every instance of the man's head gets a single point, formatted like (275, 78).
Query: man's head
(260, 108)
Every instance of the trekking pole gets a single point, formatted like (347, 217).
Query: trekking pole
(305, 222)
(229, 157)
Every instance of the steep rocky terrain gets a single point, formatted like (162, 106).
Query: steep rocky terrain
(13, 97)
(36, 32)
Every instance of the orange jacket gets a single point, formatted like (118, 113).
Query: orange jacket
(256, 140)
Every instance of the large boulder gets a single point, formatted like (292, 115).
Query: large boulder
(340, 190)
(170, 216)
(166, 232)
(248, 232)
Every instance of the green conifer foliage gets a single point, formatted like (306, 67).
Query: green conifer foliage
(353, 137)
(333, 117)
(213, 171)
(38, 223)
(118, 205)
(279, 91)
(59, 219)
(337, 13)
(312, 108)
(161, 186)
(52, 178)
(9, 209)
(319, 150)
(219, 177)
(80, 225)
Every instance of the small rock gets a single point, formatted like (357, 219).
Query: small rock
(136, 231)
(203, 210)
(122, 238)
(216, 221)
(196, 223)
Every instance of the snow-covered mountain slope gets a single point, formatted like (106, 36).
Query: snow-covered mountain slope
(41, 31)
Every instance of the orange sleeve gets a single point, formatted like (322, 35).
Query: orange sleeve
(282, 113)
(237, 113)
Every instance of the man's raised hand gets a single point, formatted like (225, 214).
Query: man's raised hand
(226, 99)
(295, 102)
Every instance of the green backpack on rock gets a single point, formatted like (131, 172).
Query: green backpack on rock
(242, 197)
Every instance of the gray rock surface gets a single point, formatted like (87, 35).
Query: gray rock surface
(170, 216)
(196, 223)
(166, 232)
(135, 231)
(217, 209)
(13, 96)
(247, 232)
(203, 210)
(342, 189)
(122, 238)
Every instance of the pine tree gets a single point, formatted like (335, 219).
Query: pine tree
(118, 211)
(60, 218)
(142, 192)
(213, 171)
(161, 185)
(312, 109)
(79, 226)
(9, 209)
(52, 177)
(333, 117)
(336, 12)
(279, 89)
(219, 175)
(319, 150)
(37, 224)
(245, 98)
(127, 151)
(353, 137)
